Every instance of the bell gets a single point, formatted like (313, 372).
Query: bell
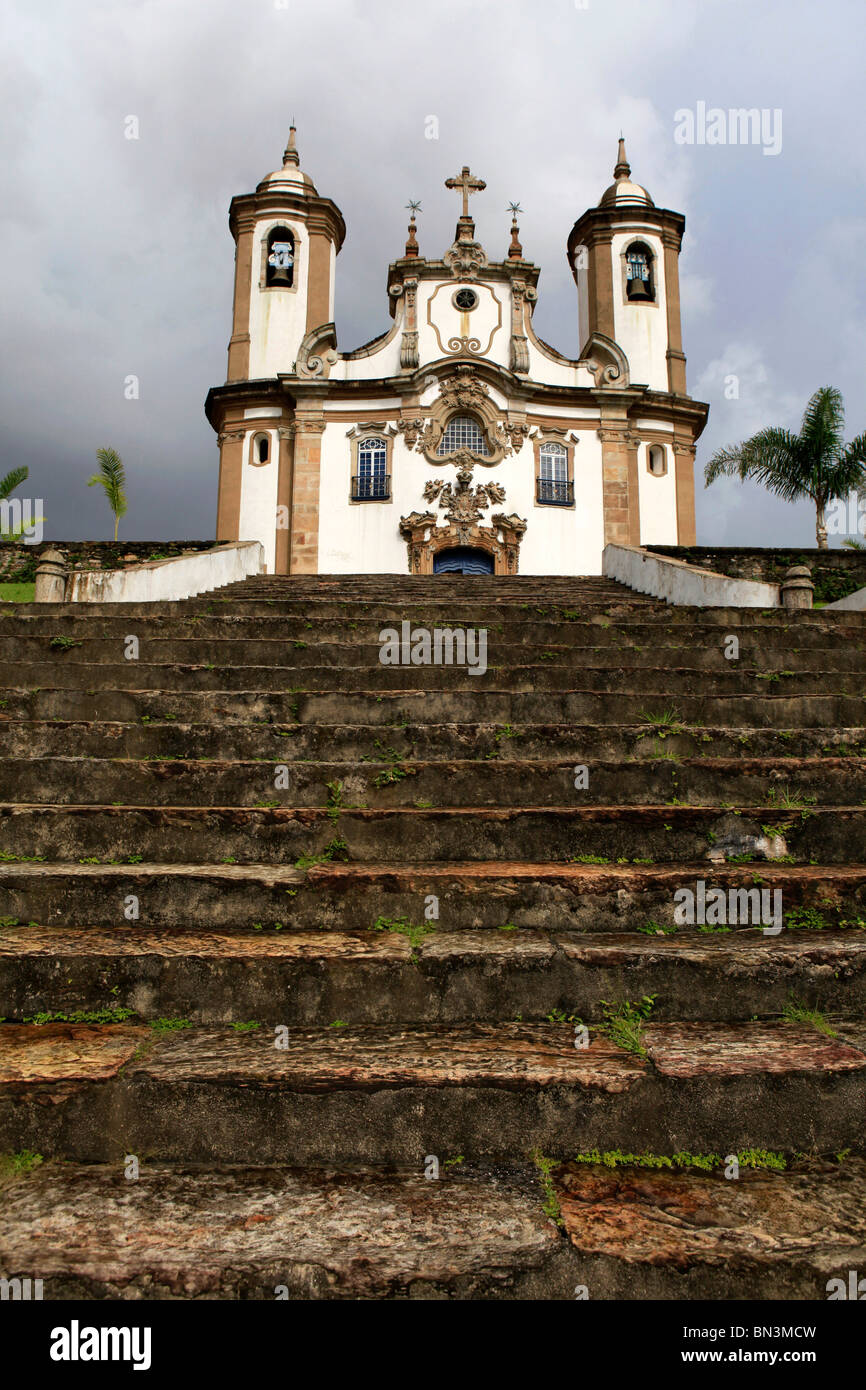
(639, 289)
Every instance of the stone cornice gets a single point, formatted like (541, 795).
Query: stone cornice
(321, 216)
(684, 413)
(599, 224)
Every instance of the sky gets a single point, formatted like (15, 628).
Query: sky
(116, 258)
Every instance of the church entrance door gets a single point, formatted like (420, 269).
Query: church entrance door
(463, 559)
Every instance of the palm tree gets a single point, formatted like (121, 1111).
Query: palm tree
(112, 478)
(815, 463)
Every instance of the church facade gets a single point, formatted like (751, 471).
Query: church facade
(457, 441)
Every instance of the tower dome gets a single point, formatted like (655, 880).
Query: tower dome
(624, 193)
(289, 177)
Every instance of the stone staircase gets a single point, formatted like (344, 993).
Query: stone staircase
(286, 930)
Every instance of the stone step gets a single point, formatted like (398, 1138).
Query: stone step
(570, 743)
(391, 1095)
(64, 673)
(490, 896)
(630, 1233)
(282, 835)
(633, 629)
(230, 1233)
(324, 977)
(796, 785)
(286, 653)
(396, 709)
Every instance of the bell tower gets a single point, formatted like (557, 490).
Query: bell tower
(624, 255)
(287, 239)
(286, 244)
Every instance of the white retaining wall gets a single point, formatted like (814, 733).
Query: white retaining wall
(160, 581)
(682, 584)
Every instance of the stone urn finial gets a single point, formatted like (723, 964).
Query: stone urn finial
(52, 573)
(797, 588)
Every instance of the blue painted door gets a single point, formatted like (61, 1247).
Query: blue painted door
(463, 560)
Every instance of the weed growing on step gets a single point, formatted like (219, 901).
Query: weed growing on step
(335, 801)
(805, 919)
(245, 1027)
(788, 800)
(401, 926)
(83, 1016)
(616, 1158)
(391, 776)
(337, 849)
(550, 1207)
(653, 928)
(667, 719)
(170, 1025)
(796, 1012)
(624, 1022)
(505, 733)
(63, 644)
(589, 859)
(560, 1016)
(14, 1165)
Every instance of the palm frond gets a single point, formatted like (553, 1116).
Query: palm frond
(13, 480)
(823, 427)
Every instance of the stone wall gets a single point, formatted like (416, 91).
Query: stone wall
(835, 573)
(18, 562)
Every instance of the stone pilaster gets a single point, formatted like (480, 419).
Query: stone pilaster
(306, 470)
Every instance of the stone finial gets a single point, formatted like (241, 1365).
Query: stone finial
(290, 153)
(515, 250)
(797, 588)
(623, 168)
(412, 243)
(52, 573)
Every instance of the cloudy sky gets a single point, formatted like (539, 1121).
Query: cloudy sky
(116, 257)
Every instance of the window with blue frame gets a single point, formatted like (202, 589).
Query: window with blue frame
(371, 483)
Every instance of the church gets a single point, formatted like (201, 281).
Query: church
(457, 440)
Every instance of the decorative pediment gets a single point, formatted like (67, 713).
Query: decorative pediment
(318, 352)
(605, 361)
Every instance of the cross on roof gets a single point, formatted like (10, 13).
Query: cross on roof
(467, 183)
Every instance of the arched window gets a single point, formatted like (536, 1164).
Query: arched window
(463, 432)
(657, 463)
(639, 272)
(553, 484)
(261, 450)
(280, 262)
(371, 482)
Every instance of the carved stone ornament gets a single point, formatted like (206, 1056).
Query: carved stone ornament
(318, 352)
(463, 503)
(606, 362)
(410, 430)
